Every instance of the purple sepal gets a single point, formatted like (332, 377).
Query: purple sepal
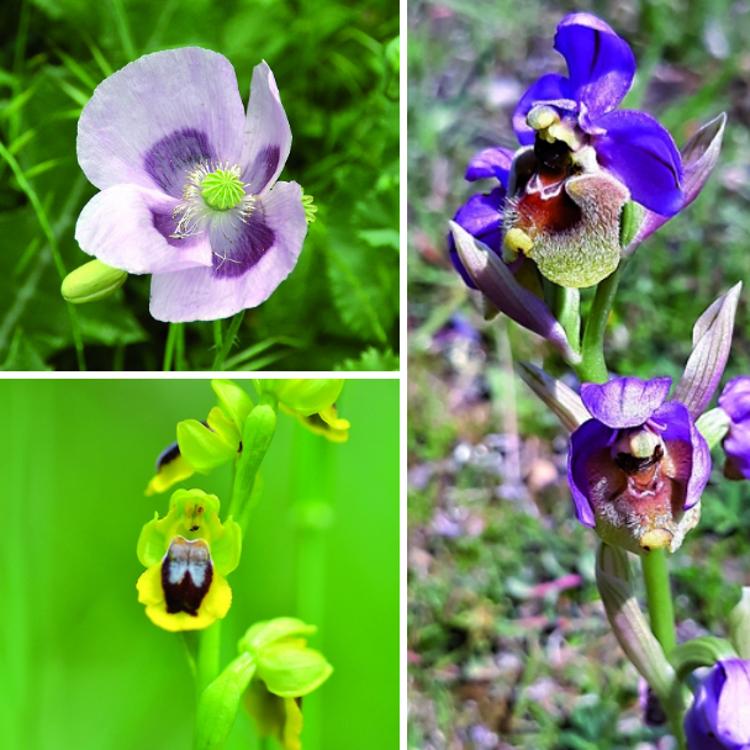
(496, 281)
(712, 340)
(718, 719)
(600, 63)
(625, 402)
(490, 162)
(589, 437)
(735, 402)
(699, 157)
(642, 154)
(481, 216)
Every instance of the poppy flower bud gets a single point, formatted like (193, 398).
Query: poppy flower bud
(91, 282)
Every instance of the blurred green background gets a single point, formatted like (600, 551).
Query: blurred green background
(508, 644)
(82, 666)
(336, 65)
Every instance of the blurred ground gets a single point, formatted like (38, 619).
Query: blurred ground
(508, 645)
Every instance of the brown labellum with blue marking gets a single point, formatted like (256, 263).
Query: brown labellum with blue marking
(186, 575)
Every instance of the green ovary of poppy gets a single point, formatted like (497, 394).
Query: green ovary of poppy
(222, 189)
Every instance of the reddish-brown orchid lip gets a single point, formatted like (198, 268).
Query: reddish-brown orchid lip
(544, 205)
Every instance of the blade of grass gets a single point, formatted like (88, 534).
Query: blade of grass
(260, 347)
(123, 29)
(27, 291)
(46, 228)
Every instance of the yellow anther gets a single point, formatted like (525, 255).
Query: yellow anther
(541, 117)
(643, 444)
(558, 131)
(517, 241)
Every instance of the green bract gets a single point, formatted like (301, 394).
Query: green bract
(233, 401)
(302, 395)
(203, 446)
(274, 669)
(206, 446)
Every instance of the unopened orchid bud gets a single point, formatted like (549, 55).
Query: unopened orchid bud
(91, 282)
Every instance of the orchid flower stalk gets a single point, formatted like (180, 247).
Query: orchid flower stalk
(589, 184)
(189, 553)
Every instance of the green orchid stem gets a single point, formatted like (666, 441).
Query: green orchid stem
(661, 617)
(313, 459)
(659, 598)
(228, 341)
(593, 367)
(568, 312)
(209, 656)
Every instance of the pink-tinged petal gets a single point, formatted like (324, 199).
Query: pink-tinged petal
(642, 154)
(268, 137)
(491, 162)
(248, 265)
(625, 402)
(699, 157)
(552, 89)
(712, 340)
(150, 122)
(128, 227)
(496, 281)
(688, 452)
(600, 63)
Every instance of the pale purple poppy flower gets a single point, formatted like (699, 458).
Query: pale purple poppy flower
(188, 182)
(637, 464)
(718, 718)
(735, 402)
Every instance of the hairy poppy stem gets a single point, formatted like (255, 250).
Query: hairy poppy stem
(228, 342)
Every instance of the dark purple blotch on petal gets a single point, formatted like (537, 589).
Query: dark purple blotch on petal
(165, 224)
(237, 249)
(263, 168)
(169, 159)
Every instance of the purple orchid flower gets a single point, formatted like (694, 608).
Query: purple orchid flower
(637, 465)
(630, 144)
(735, 402)
(188, 182)
(559, 202)
(718, 718)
